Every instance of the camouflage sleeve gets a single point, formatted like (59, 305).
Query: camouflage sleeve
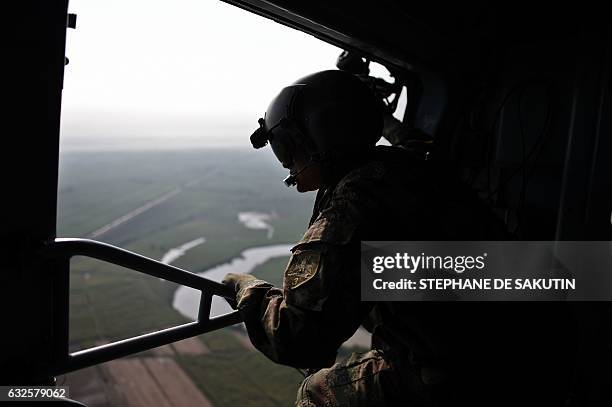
(304, 323)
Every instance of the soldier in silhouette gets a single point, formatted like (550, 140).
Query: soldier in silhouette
(324, 129)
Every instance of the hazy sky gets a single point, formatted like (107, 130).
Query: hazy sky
(147, 73)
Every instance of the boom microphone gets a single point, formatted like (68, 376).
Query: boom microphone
(291, 179)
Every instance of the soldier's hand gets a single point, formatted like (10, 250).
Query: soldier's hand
(234, 281)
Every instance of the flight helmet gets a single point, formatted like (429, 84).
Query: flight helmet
(328, 115)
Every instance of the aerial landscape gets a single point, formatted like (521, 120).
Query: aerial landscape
(208, 211)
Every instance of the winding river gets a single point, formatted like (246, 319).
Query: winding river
(186, 299)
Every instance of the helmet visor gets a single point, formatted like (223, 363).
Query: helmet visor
(283, 146)
(280, 127)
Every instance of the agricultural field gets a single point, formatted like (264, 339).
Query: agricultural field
(150, 202)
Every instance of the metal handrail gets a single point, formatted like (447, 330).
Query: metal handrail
(62, 250)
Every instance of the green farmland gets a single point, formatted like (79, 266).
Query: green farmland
(212, 187)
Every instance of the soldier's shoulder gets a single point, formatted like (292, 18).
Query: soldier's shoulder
(366, 176)
(381, 173)
(359, 194)
(361, 191)
(348, 205)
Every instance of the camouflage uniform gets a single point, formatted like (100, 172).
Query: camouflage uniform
(417, 347)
